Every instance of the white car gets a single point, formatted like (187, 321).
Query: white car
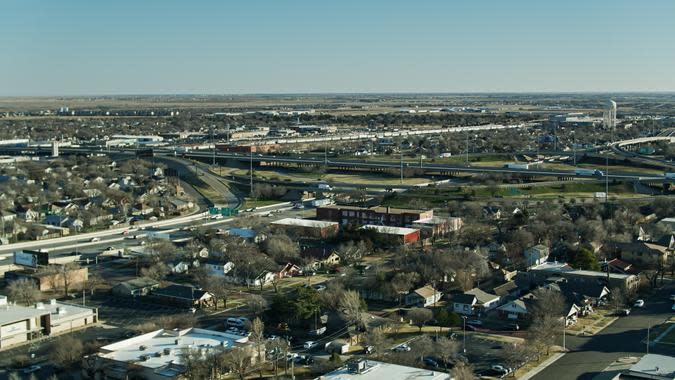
(95, 239)
(672, 297)
(310, 344)
(639, 303)
(402, 348)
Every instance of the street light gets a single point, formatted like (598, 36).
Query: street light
(464, 338)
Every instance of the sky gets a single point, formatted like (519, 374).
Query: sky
(84, 47)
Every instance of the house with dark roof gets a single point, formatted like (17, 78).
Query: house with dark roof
(183, 296)
(141, 286)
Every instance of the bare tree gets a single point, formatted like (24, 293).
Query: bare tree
(463, 371)
(446, 349)
(422, 346)
(23, 291)
(68, 274)
(419, 316)
(258, 339)
(238, 360)
(403, 282)
(157, 271)
(256, 303)
(94, 281)
(377, 339)
(281, 248)
(352, 307)
(548, 316)
(617, 298)
(66, 351)
(219, 288)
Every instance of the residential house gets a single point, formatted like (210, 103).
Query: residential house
(289, 270)
(218, 268)
(137, 287)
(536, 255)
(423, 297)
(641, 252)
(619, 266)
(474, 301)
(183, 296)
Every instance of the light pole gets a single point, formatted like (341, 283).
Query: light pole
(648, 329)
(564, 327)
(464, 337)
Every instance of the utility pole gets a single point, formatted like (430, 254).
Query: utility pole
(607, 178)
(251, 170)
(325, 155)
(648, 329)
(467, 147)
(401, 165)
(213, 144)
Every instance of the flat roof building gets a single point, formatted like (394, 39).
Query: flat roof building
(374, 370)
(388, 216)
(307, 227)
(402, 234)
(21, 324)
(159, 354)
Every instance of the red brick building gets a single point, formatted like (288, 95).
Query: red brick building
(387, 216)
(402, 234)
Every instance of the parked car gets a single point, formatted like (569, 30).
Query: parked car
(475, 322)
(639, 303)
(310, 344)
(430, 362)
(31, 369)
(501, 369)
(672, 297)
(402, 348)
(624, 312)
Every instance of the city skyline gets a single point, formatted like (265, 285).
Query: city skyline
(76, 48)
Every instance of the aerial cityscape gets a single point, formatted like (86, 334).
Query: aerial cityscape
(337, 190)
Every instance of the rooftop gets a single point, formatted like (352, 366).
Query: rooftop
(60, 311)
(378, 370)
(390, 230)
(304, 223)
(556, 267)
(653, 366)
(161, 348)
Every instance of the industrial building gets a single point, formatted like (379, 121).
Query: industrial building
(21, 324)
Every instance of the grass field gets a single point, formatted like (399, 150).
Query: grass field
(351, 178)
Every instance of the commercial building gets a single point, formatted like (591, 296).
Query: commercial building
(158, 355)
(540, 274)
(387, 216)
(51, 279)
(401, 234)
(21, 324)
(309, 228)
(374, 370)
(437, 226)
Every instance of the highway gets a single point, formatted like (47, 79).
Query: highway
(363, 164)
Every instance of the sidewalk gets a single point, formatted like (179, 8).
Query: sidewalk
(534, 371)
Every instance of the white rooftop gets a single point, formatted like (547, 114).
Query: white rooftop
(60, 312)
(304, 223)
(653, 366)
(164, 347)
(378, 370)
(560, 267)
(390, 230)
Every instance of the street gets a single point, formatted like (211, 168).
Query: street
(588, 356)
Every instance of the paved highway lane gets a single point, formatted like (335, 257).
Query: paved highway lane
(588, 356)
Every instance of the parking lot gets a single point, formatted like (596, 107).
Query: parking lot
(123, 312)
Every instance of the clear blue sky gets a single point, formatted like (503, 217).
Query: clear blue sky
(76, 47)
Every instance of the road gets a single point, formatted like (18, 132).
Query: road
(588, 356)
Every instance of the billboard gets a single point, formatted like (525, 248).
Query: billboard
(31, 258)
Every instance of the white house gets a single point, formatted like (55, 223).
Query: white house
(536, 255)
(423, 296)
(474, 301)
